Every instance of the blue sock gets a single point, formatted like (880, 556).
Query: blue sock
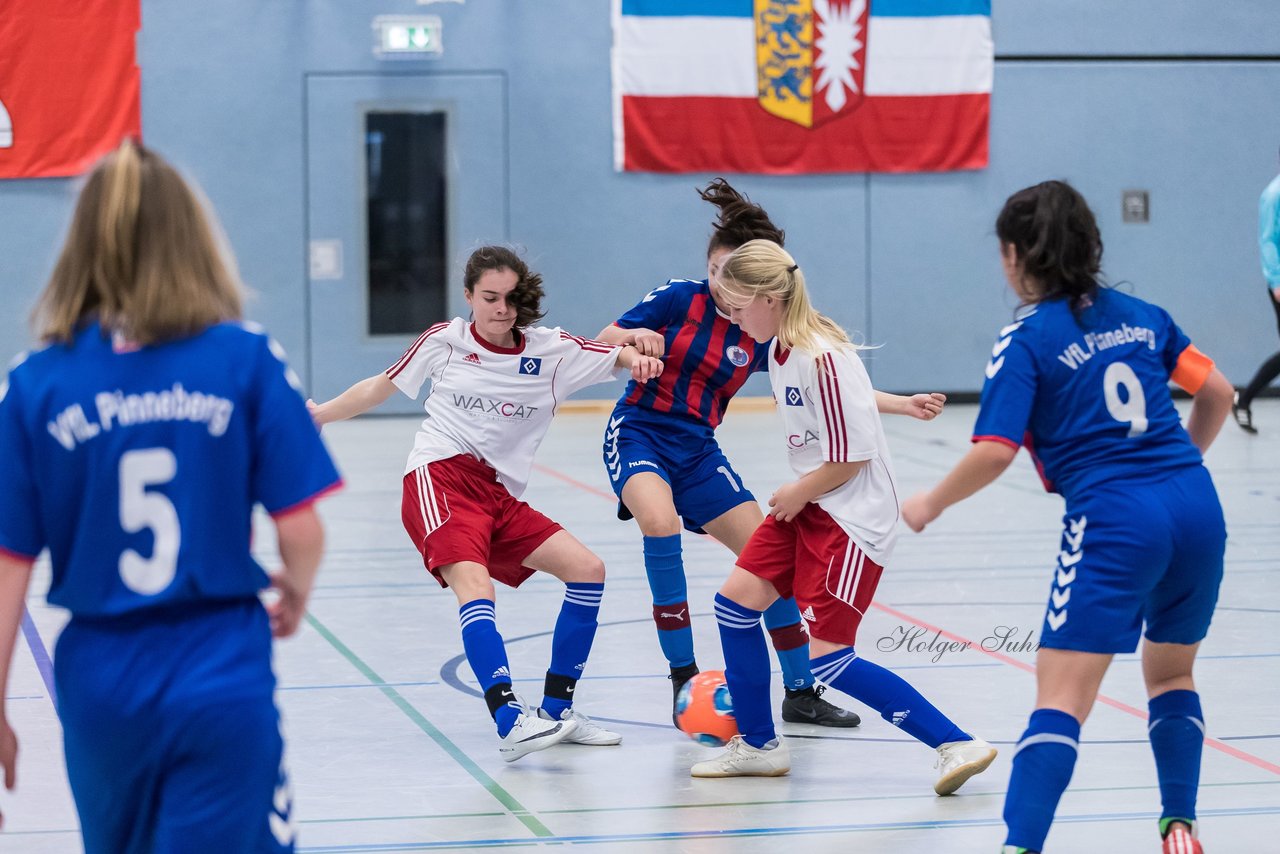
(571, 644)
(889, 694)
(665, 569)
(790, 643)
(488, 658)
(1042, 766)
(746, 669)
(1177, 739)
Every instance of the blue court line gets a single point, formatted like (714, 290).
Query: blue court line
(43, 663)
(758, 832)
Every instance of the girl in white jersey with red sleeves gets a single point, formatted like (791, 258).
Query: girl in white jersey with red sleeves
(828, 535)
(496, 382)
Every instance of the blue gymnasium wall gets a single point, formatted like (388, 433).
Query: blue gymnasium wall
(1181, 99)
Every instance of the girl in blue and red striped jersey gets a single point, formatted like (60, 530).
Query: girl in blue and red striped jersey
(1082, 379)
(665, 465)
(829, 532)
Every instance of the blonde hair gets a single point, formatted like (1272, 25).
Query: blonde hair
(762, 268)
(142, 256)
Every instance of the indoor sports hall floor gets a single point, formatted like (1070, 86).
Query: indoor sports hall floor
(391, 749)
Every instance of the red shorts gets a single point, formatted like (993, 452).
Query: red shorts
(456, 509)
(813, 559)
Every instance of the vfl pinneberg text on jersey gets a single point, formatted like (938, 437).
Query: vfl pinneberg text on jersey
(73, 426)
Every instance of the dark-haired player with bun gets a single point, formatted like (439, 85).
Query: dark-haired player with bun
(1081, 378)
(666, 467)
(495, 384)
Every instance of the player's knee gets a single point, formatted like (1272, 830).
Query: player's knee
(657, 524)
(588, 569)
(1165, 684)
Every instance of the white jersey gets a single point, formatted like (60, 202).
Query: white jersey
(830, 415)
(495, 403)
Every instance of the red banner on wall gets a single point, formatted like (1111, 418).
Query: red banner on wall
(69, 84)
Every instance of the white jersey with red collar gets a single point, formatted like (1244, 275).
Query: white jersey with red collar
(495, 403)
(829, 414)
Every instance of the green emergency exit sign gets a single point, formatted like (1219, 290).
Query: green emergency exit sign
(407, 37)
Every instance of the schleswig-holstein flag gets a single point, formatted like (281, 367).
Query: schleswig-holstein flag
(795, 86)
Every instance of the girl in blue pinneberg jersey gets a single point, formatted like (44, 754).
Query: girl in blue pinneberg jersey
(1081, 378)
(136, 444)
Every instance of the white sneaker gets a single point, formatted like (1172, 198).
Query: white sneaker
(587, 731)
(533, 733)
(960, 760)
(742, 760)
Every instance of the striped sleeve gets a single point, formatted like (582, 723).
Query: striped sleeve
(583, 362)
(423, 359)
(846, 408)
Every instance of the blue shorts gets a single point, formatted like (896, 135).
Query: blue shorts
(1137, 553)
(682, 452)
(172, 736)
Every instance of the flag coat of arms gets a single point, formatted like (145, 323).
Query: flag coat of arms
(800, 86)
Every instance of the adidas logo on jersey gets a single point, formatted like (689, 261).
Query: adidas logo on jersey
(472, 358)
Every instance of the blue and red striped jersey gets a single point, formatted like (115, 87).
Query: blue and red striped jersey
(707, 357)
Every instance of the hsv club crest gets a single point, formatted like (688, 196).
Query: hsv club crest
(810, 57)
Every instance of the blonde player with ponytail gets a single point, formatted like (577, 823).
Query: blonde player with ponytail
(137, 441)
(829, 532)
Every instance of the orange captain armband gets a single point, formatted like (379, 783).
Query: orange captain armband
(1192, 370)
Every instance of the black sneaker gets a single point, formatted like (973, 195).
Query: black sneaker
(808, 707)
(1243, 416)
(679, 676)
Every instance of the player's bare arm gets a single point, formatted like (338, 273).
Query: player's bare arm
(648, 342)
(301, 539)
(1210, 407)
(15, 575)
(361, 397)
(985, 461)
(925, 406)
(790, 498)
(643, 368)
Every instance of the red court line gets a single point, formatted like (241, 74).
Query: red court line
(1222, 747)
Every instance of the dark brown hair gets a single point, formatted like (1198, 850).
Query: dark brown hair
(1056, 239)
(525, 297)
(142, 256)
(740, 220)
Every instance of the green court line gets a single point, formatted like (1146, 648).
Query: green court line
(500, 794)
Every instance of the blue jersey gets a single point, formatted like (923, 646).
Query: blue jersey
(1089, 397)
(1269, 232)
(139, 468)
(707, 357)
